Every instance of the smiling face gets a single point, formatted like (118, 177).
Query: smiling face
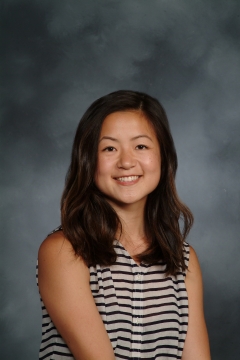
(129, 162)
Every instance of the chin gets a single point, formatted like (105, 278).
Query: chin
(127, 202)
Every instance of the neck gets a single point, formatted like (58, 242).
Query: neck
(133, 236)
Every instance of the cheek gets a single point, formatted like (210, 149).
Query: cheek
(99, 179)
(100, 166)
(155, 168)
(153, 163)
(98, 171)
(104, 166)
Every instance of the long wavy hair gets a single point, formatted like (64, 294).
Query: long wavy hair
(88, 220)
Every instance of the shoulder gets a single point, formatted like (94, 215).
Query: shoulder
(54, 243)
(56, 254)
(193, 279)
(194, 269)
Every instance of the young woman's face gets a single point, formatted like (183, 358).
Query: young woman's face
(129, 161)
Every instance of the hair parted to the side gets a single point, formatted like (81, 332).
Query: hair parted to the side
(88, 220)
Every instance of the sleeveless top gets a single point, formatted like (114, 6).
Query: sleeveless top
(144, 311)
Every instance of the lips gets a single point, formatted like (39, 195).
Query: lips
(128, 178)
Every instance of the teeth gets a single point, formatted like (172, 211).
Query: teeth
(128, 178)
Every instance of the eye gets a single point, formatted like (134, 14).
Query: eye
(141, 147)
(109, 148)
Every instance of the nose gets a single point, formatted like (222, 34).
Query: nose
(126, 160)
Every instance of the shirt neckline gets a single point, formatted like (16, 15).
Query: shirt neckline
(142, 264)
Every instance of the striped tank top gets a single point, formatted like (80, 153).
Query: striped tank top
(144, 311)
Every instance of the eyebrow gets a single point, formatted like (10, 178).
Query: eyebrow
(134, 138)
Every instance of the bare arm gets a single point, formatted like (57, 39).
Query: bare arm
(196, 345)
(64, 287)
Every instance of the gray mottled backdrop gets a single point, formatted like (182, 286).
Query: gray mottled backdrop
(57, 57)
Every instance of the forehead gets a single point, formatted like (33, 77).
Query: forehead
(127, 123)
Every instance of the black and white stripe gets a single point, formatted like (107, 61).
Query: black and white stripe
(144, 311)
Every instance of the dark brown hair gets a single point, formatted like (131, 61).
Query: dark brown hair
(88, 220)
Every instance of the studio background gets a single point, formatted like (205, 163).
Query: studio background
(57, 57)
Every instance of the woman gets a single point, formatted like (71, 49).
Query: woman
(117, 279)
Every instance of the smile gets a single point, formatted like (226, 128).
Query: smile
(128, 178)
